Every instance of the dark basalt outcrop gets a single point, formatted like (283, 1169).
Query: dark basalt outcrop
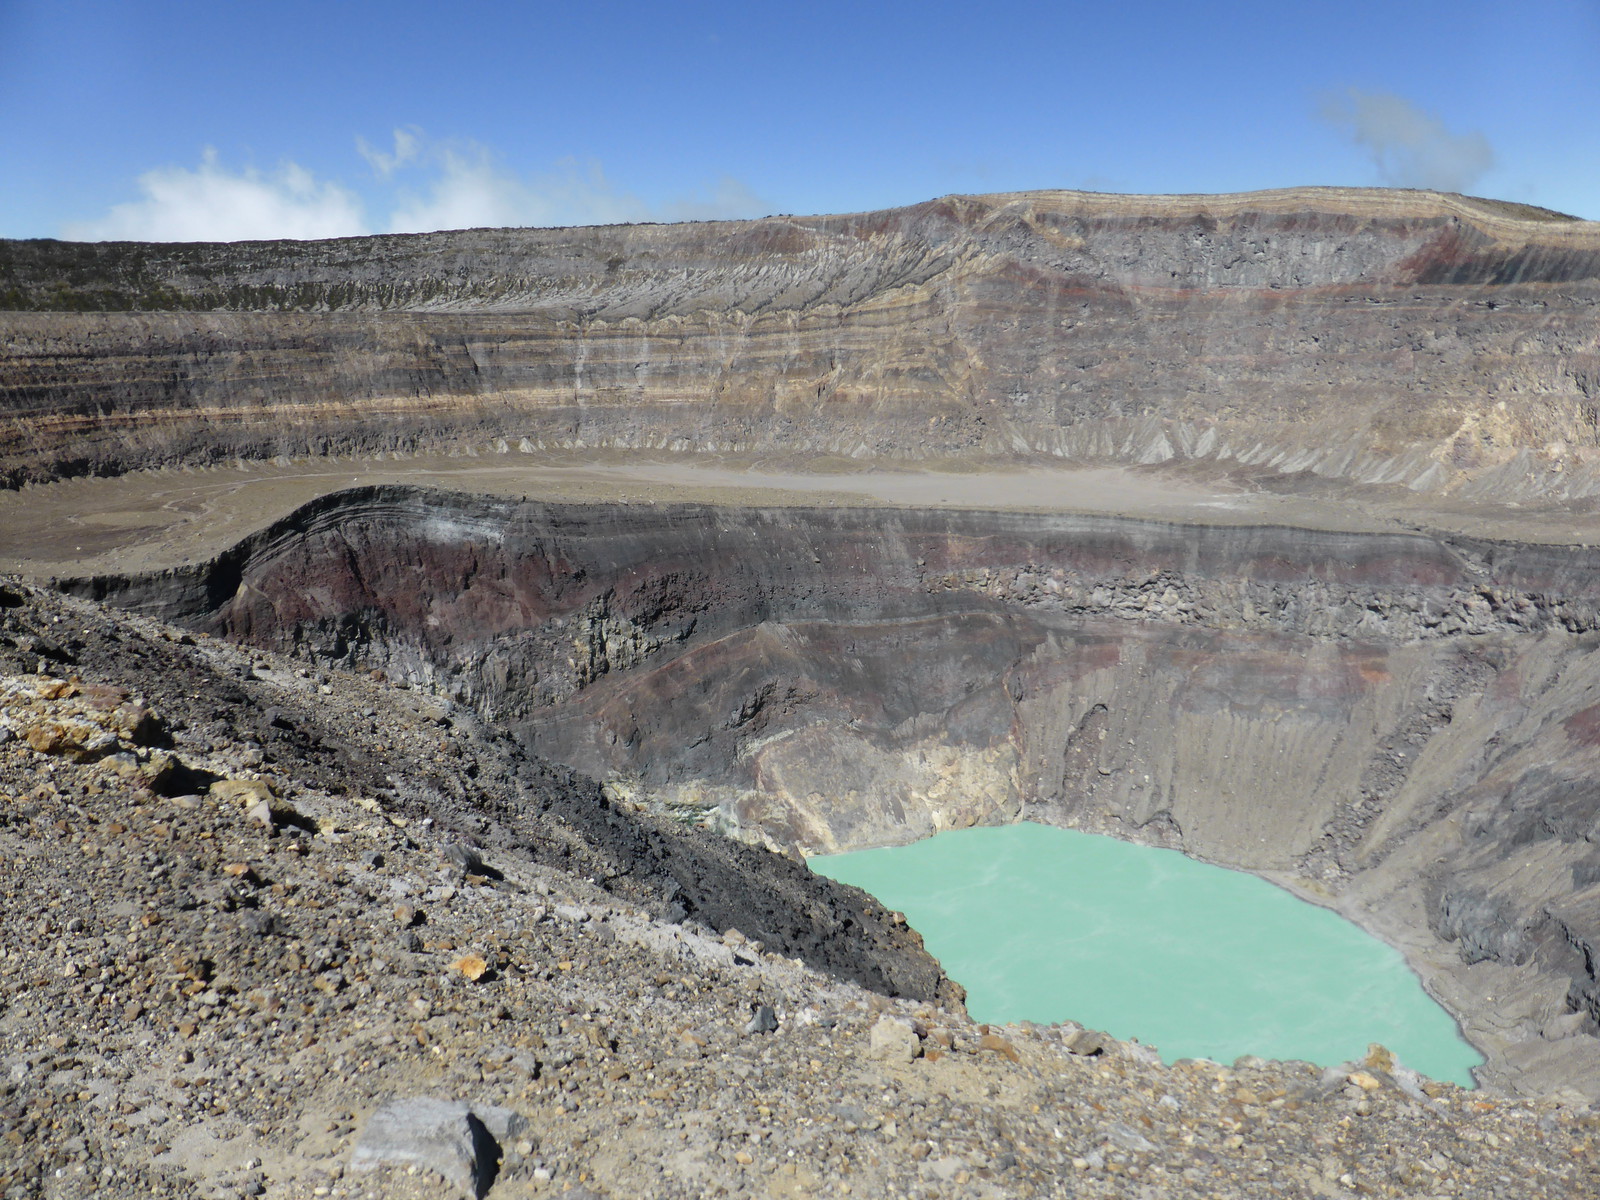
(1401, 725)
(1413, 337)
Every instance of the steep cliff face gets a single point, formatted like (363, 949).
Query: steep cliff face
(1409, 337)
(1398, 724)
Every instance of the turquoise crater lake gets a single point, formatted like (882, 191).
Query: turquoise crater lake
(1046, 924)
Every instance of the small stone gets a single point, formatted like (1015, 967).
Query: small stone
(463, 857)
(1379, 1057)
(472, 966)
(1086, 1042)
(1365, 1082)
(505, 1124)
(123, 763)
(244, 792)
(438, 1135)
(993, 1041)
(762, 1020)
(571, 912)
(52, 737)
(1126, 1137)
(893, 1040)
(137, 725)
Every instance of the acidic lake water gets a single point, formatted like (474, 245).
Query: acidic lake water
(1045, 924)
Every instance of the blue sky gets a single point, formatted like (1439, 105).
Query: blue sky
(172, 120)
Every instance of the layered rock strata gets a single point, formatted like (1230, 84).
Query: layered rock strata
(1399, 725)
(1435, 341)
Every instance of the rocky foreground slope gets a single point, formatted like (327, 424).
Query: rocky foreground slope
(256, 913)
(1438, 341)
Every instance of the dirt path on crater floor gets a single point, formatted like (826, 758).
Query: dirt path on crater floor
(148, 520)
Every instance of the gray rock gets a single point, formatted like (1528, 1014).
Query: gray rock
(1126, 1137)
(464, 858)
(571, 912)
(893, 1040)
(505, 1124)
(454, 1139)
(762, 1020)
(1086, 1042)
(258, 924)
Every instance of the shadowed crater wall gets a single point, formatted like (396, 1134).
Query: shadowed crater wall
(1405, 727)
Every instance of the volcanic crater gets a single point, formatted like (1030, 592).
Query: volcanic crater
(1346, 638)
(1398, 725)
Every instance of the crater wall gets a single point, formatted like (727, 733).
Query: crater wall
(1402, 726)
(1436, 341)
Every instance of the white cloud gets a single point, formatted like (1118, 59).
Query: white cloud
(422, 184)
(1410, 147)
(469, 188)
(407, 142)
(213, 204)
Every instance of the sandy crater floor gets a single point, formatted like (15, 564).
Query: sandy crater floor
(160, 518)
